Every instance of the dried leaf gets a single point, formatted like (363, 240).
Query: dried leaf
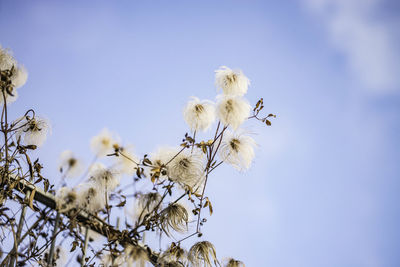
(31, 197)
(74, 245)
(46, 185)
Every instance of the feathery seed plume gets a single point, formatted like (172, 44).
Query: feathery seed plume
(70, 165)
(126, 160)
(35, 131)
(232, 110)
(237, 149)
(175, 256)
(232, 82)
(66, 199)
(175, 216)
(187, 169)
(91, 196)
(103, 143)
(105, 178)
(134, 254)
(199, 115)
(145, 204)
(203, 254)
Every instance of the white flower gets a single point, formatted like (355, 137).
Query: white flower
(126, 160)
(104, 143)
(232, 111)
(232, 82)
(91, 196)
(66, 199)
(199, 115)
(187, 169)
(35, 131)
(70, 165)
(237, 150)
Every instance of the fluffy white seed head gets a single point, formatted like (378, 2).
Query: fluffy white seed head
(104, 143)
(134, 254)
(105, 178)
(18, 79)
(126, 161)
(173, 256)
(169, 158)
(146, 204)
(163, 155)
(187, 169)
(91, 196)
(203, 254)
(199, 115)
(232, 82)
(19, 76)
(70, 165)
(7, 61)
(237, 150)
(34, 131)
(93, 168)
(232, 111)
(176, 217)
(66, 199)
(159, 159)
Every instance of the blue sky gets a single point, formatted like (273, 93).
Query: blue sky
(323, 189)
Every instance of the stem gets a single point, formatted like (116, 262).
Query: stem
(211, 159)
(5, 130)
(19, 231)
(175, 156)
(53, 243)
(85, 247)
(194, 141)
(87, 170)
(15, 257)
(187, 237)
(128, 158)
(39, 220)
(201, 204)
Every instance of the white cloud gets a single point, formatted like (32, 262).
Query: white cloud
(368, 43)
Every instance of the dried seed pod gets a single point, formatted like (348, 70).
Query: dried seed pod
(203, 254)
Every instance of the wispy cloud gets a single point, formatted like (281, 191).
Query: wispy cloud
(357, 29)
